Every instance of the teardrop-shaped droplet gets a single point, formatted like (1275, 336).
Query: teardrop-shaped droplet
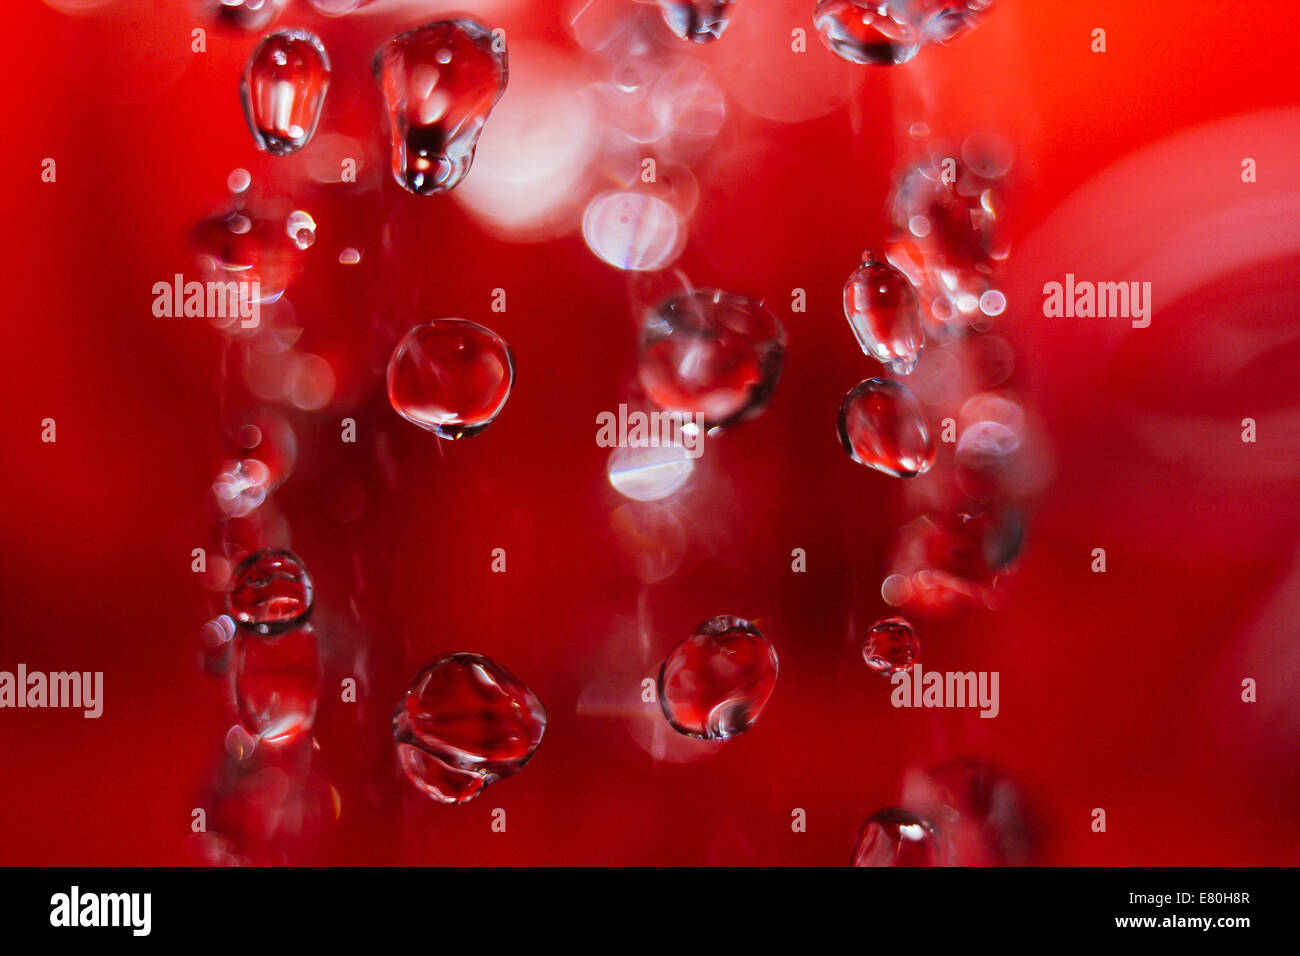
(451, 377)
(701, 21)
(884, 313)
(866, 31)
(439, 82)
(464, 723)
(283, 90)
(881, 425)
(711, 353)
(891, 646)
(716, 683)
(894, 837)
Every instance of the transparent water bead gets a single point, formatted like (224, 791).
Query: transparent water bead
(283, 90)
(715, 684)
(894, 837)
(866, 31)
(881, 425)
(451, 377)
(270, 592)
(464, 723)
(883, 311)
(439, 82)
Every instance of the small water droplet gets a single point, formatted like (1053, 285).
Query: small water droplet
(891, 646)
(301, 228)
(251, 16)
(440, 82)
(715, 684)
(270, 592)
(283, 90)
(464, 723)
(881, 425)
(894, 837)
(239, 180)
(451, 377)
(349, 257)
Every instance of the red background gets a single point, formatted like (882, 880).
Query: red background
(1118, 691)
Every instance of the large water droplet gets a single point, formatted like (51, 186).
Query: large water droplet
(270, 592)
(278, 684)
(464, 723)
(283, 90)
(451, 377)
(440, 82)
(881, 425)
(893, 837)
(891, 646)
(701, 21)
(866, 31)
(716, 683)
(711, 352)
(883, 312)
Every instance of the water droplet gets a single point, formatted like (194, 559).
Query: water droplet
(711, 352)
(980, 809)
(993, 303)
(715, 684)
(240, 744)
(278, 684)
(464, 723)
(337, 8)
(270, 592)
(891, 646)
(245, 246)
(942, 21)
(881, 425)
(349, 257)
(437, 107)
(866, 31)
(239, 180)
(701, 21)
(648, 474)
(633, 231)
(985, 459)
(301, 228)
(451, 377)
(883, 312)
(283, 90)
(894, 837)
(252, 16)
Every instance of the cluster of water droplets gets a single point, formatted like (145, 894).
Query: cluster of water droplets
(464, 721)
